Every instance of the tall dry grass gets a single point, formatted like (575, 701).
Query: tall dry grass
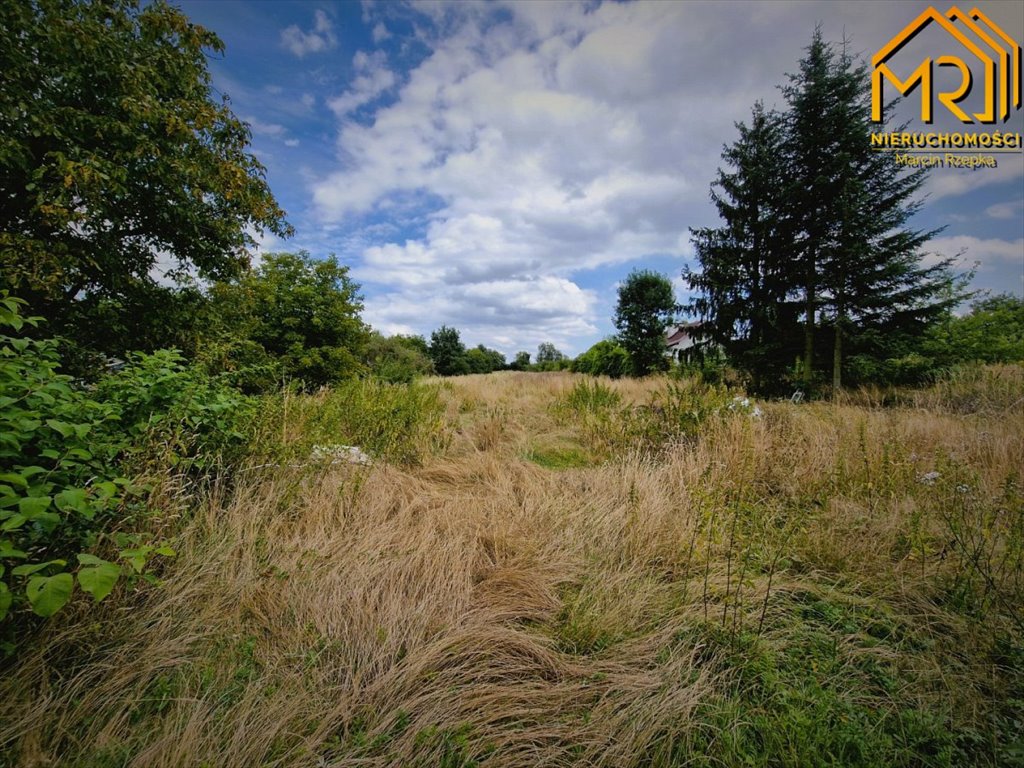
(482, 609)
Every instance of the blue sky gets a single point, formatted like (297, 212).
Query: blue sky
(500, 167)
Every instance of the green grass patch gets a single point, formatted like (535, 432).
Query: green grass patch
(835, 681)
(559, 457)
(400, 423)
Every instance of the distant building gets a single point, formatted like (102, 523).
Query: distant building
(681, 339)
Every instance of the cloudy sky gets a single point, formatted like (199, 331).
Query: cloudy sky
(500, 167)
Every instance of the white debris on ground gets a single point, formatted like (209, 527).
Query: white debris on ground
(340, 454)
(743, 405)
(929, 478)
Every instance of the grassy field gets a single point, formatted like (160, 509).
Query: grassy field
(548, 570)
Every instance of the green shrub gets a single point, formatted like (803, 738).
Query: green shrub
(175, 415)
(243, 364)
(59, 486)
(66, 454)
(606, 358)
(398, 359)
(396, 422)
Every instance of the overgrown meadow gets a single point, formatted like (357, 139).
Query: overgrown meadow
(516, 569)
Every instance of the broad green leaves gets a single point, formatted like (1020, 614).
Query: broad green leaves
(97, 576)
(60, 488)
(5, 598)
(48, 594)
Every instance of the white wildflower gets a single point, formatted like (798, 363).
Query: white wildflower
(929, 478)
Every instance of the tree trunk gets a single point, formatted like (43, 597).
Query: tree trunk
(837, 358)
(808, 365)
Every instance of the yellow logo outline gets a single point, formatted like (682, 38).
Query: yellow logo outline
(1005, 58)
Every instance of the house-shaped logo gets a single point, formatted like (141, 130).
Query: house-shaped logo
(995, 63)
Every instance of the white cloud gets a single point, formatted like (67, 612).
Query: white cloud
(946, 182)
(990, 253)
(321, 38)
(1009, 210)
(380, 33)
(508, 315)
(373, 79)
(291, 142)
(259, 128)
(541, 169)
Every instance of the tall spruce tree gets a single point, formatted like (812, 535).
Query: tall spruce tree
(745, 282)
(863, 277)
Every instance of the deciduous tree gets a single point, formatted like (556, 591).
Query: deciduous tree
(646, 306)
(114, 153)
(448, 352)
(302, 312)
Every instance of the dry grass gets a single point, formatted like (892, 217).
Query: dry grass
(483, 609)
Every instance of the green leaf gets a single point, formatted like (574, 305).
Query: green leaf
(7, 550)
(165, 551)
(33, 505)
(75, 500)
(106, 488)
(99, 579)
(5, 600)
(48, 594)
(136, 557)
(14, 479)
(48, 521)
(13, 523)
(64, 428)
(30, 568)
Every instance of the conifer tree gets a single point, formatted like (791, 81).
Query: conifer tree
(863, 277)
(745, 280)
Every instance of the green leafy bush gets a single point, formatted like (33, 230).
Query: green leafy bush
(294, 312)
(606, 358)
(58, 483)
(66, 454)
(398, 359)
(175, 415)
(242, 364)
